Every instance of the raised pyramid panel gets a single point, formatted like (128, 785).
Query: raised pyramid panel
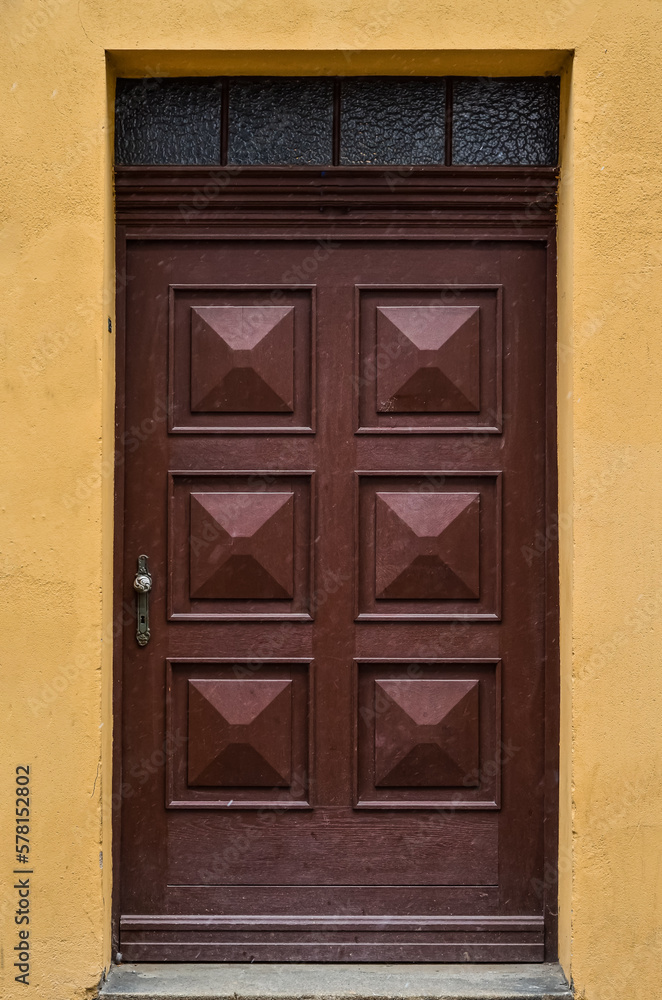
(426, 733)
(239, 732)
(239, 545)
(242, 359)
(435, 359)
(427, 546)
(242, 545)
(429, 359)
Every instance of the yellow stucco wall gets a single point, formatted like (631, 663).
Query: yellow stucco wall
(57, 366)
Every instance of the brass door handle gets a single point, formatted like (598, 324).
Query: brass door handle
(142, 585)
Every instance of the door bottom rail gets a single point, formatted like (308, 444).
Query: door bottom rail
(335, 938)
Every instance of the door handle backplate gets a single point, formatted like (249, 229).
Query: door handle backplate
(142, 585)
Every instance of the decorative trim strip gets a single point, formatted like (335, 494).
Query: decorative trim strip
(305, 922)
(511, 196)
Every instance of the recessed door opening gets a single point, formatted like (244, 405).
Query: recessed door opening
(343, 669)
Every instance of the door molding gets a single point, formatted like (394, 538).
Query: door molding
(427, 198)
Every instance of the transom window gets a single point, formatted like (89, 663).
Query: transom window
(353, 121)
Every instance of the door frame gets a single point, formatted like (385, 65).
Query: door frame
(435, 203)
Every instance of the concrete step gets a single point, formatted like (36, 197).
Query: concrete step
(211, 981)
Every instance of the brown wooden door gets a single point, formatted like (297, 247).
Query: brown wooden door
(333, 746)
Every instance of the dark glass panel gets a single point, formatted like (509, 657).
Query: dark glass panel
(396, 120)
(506, 120)
(166, 121)
(281, 120)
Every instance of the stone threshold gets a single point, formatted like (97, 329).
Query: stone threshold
(262, 981)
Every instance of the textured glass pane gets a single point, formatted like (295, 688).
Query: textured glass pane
(398, 121)
(509, 121)
(168, 121)
(281, 120)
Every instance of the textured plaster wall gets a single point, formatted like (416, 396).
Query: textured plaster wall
(56, 373)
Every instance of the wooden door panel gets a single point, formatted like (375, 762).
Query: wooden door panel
(334, 849)
(429, 546)
(241, 359)
(240, 734)
(340, 713)
(240, 545)
(440, 900)
(429, 359)
(428, 734)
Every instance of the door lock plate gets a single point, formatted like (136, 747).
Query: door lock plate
(142, 585)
